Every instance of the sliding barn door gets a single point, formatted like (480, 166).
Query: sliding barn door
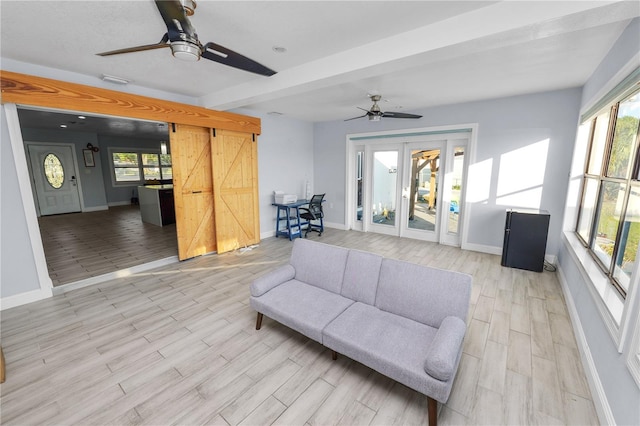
(193, 190)
(234, 157)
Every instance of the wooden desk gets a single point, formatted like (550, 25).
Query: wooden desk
(290, 215)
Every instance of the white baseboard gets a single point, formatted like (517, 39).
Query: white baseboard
(600, 401)
(95, 209)
(340, 226)
(482, 248)
(113, 275)
(24, 298)
(119, 203)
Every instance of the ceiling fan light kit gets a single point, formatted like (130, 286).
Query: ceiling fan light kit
(182, 38)
(185, 51)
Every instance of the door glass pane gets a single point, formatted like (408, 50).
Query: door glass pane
(611, 199)
(359, 183)
(53, 171)
(456, 189)
(385, 179)
(624, 137)
(588, 208)
(422, 196)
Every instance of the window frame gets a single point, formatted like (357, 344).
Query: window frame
(141, 166)
(632, 180)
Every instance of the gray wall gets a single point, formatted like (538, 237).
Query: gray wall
(121, 194)
(90, 177)
(97, 188)
(504, 126)
(618, 385)
(17, 266)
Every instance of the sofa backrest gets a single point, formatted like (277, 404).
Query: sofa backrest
(424, 294)
(361, 276)
(319, 264)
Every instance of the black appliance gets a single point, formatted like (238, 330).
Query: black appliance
(525, 239)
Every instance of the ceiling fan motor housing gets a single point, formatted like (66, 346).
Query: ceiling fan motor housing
(186, 50)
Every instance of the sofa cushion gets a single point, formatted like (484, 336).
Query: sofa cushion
(318, 264)
(390, 344)
(421, 293)
(302, 307)
(441, 358)
(272, 279)
(361, 276)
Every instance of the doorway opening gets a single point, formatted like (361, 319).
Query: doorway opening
(90, 223)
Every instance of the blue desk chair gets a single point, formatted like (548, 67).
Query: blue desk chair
(313, 214)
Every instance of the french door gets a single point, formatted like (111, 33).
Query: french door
(412, 189)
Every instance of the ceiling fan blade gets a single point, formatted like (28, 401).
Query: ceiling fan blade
(175, 18)
(162, 43)
(390, 114)
(221, 54)
(354, 118)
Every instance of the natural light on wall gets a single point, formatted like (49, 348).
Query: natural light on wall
(479, 186)
(521, 176)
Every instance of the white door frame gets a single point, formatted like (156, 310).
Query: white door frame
(27, 144)
(356, 142)
(30, 214)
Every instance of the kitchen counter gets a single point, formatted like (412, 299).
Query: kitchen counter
(156, 204)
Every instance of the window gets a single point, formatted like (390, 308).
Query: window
(609, 218)
(136, 167)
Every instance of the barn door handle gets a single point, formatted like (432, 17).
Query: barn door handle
(196, 192)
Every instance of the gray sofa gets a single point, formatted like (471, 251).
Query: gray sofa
(403, 320)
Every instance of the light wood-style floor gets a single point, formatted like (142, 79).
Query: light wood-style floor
(83, 245)
(179, 345)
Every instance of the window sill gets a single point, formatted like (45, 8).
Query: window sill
(608, 301)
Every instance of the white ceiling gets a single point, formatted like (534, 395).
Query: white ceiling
(415, 53)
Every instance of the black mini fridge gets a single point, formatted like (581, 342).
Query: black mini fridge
(525, 239)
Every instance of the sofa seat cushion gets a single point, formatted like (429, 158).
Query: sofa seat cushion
(390, 344)
(302, 307)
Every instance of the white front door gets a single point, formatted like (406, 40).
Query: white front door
(55, 178)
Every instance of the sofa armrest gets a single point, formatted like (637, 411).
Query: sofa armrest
(442, 356)
(272, 279)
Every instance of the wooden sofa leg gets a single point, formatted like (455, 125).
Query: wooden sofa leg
(334, 355)
(432, 406)
(259, 321)
(2, 366)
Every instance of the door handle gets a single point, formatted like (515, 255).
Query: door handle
(73, 180)
(196, 192)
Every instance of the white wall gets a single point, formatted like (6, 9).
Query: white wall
(522, 158)
(615, 388)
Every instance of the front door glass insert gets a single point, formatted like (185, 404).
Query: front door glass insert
(53, 171)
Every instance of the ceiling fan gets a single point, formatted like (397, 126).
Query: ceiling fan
(182, 38)
(375, 114)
